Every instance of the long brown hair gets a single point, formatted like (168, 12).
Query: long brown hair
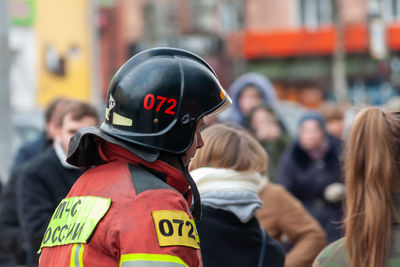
(371, 173)
(230, 148)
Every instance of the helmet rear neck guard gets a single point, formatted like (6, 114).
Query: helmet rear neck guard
(83, 148)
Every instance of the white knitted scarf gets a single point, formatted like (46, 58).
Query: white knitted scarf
(214, 179)
(229, 190)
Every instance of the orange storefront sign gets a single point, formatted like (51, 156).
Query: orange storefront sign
(300, 42)
(393, 33)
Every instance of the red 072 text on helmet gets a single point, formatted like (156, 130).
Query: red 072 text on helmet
(150, 101)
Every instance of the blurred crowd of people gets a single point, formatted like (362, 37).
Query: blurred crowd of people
(260, 185)
(303, 193)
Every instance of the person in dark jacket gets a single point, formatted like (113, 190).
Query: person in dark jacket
(228, 172)
(47, 179)
(311, 170)
(12, 243)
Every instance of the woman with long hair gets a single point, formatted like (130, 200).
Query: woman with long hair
(372, 175)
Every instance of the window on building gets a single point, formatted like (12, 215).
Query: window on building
(162, 20)
(390, 10)
(229, 17)
(315, 13)
(217, 16)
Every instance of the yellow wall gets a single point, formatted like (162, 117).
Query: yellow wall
(64, 24)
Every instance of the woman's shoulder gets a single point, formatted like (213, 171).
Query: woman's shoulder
(332, 255)
(335, 253)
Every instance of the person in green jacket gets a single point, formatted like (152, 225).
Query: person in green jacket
(266, 126)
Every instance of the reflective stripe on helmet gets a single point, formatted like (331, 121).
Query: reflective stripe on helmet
(147, 260)
(77, 255)
(121, 120)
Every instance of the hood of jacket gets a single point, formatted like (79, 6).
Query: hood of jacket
(265, 86)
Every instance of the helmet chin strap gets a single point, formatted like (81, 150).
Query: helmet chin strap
(196, 208)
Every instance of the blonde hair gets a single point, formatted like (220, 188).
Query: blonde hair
(230, 148)
(371, 172)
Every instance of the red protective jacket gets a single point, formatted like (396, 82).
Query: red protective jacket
(148, 222)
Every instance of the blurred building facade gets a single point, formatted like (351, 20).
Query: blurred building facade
(293, 42)
(202, 26)
(52, 46)
(75, 48)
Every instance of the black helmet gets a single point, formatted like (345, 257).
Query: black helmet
(155, 101)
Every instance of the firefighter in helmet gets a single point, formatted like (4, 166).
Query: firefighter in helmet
(132, 207)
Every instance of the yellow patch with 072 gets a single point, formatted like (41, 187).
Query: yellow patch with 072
(175, 228)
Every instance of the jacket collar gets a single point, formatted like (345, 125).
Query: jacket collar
(173, 177)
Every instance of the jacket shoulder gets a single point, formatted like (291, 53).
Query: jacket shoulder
(276, 192)
(333, 255)
(34, 166)
(42, 157)
(272, 189)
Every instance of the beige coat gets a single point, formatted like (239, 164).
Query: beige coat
(283, 216)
